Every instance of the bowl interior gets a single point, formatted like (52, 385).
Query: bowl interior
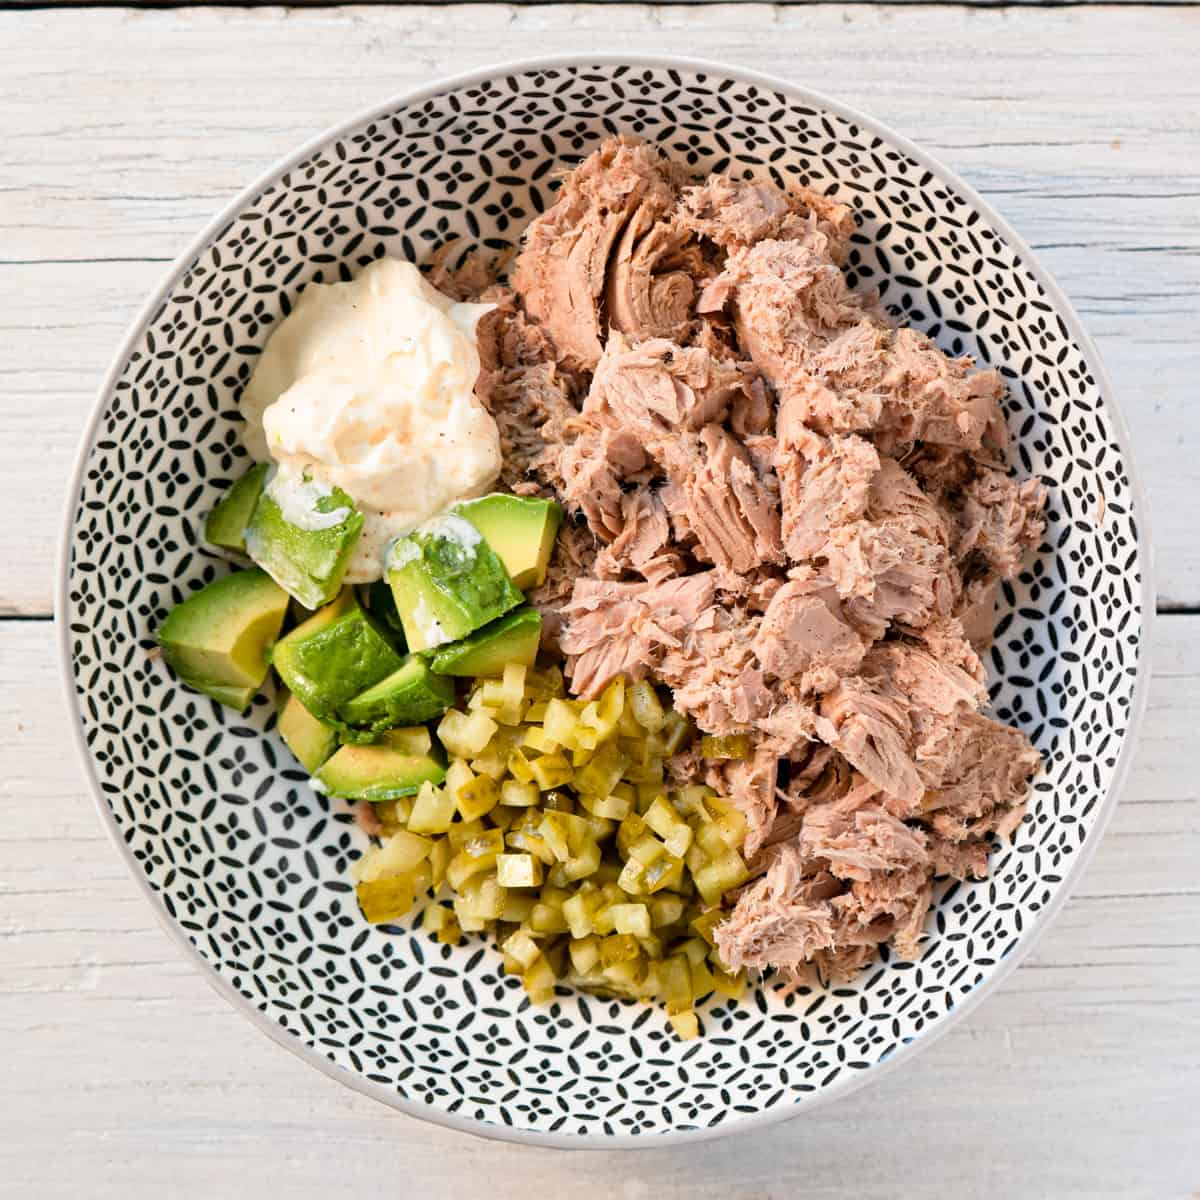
(251, 865)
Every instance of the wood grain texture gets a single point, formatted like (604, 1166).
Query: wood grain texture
(125, 130)
(125, 1075)
(1079, 1078)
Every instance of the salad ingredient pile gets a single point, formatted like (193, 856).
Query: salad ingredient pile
(723, 717)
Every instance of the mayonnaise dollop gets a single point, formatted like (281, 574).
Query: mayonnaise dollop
(369, 386)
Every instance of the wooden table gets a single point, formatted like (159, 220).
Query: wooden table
(121, 131)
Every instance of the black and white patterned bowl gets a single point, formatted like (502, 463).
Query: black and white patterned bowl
(248, 866)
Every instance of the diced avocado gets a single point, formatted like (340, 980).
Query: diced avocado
(302, 535)
(331, 658)
(521, 530)
(411, 694)
(226, 524)
(310, 740)
(447, 582)
(217, 639)
(383, 771)
(341, 603)
(512, 639)
(378, 600)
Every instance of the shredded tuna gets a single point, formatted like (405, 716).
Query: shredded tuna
(750, 784)
(574, 557)
(562, 270)
(649, 291)
(717, 493)
(786, 510)
(1000, 520)
(805, 636)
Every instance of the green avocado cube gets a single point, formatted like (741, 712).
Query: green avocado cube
(513, 638)
(227, 523)
(407, 696)
(217, 639)
(310, 740)
(333, 657)
(384, 771)
(447, 582)
(378, 600)
(521, 530)
(305, 617)
(302, 535)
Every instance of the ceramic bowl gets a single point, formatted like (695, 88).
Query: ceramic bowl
(248, 866)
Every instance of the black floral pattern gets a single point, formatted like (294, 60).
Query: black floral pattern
(251, 864)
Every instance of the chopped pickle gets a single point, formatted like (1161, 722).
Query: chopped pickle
(558, 831)
(551, 771)
(385, 899)
(398, 855)
(432, 811)
(519, 870)
(707, 921)
(463, 735)
(477, 798)
(631, 918)
(522, 949)
(515, 794)
(685, 1024)
(733, 745)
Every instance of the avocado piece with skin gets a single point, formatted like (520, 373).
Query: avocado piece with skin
(411, 694)
(378, 600)
(447, 582)
(217, 639)
(226, 524)
(310, 740)
(521, 530)
(333, 657)
(303, 534)
(513, 638)
(384, 771)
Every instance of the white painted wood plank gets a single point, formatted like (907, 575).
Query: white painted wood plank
(124, 130)
(126, 1074)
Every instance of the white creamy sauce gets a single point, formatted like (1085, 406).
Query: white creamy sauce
(427, 623)
(369, 386)
(297, 494)
(454, 528)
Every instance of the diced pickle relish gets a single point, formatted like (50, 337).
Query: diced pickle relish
(559, 833)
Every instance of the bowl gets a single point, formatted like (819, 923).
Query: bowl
(248, 867)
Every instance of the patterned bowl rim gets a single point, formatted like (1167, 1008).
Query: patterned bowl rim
(847, 1083)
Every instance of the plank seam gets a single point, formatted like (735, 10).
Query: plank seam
(157, 5)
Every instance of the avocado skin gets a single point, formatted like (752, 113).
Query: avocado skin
(309, 563)
(217, 639)
(408, 696)
(328, 665)
(447, 582)
(226, 524)
(520, 529)
(513, 638)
